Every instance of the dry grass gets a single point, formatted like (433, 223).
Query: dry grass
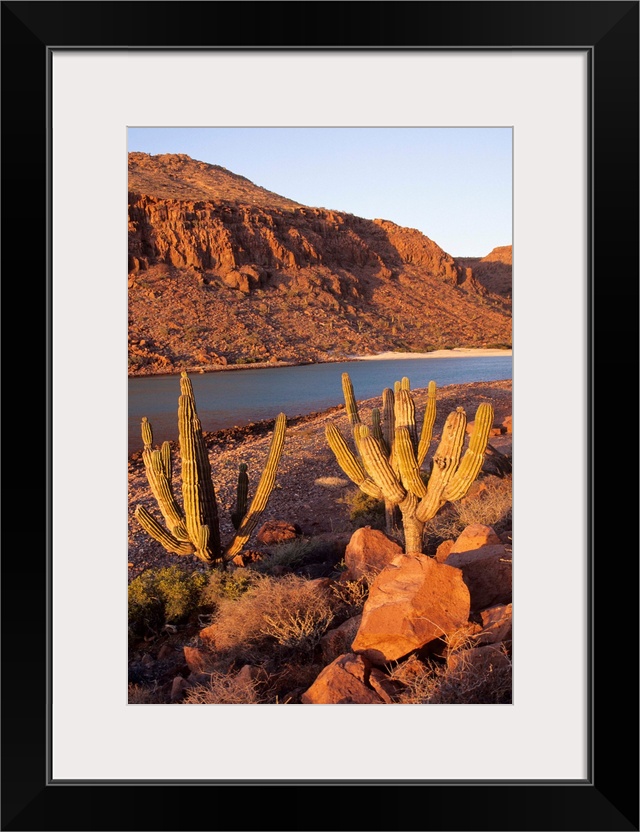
(226, 689)
(458, 681)
(351, 595)
(144, 694)
(289, 612)
(491, 506)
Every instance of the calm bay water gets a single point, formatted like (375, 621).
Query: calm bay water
(237, 397)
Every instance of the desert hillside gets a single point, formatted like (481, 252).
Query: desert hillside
(493, 271)
(223, 272)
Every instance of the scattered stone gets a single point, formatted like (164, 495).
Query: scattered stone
(507, 424)
(278, 531)
(208, 635)
(496, 624)
(488, 573)
(195, 659)
(178, 688)
(443, 550)
(250, 675)
(369, 551)
(320, 584)
(165, 652)
(342, 683)
(385, 687)
(473, 537)
(197, 678)
(338, 641)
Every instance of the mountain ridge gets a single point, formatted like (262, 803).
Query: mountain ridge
(215, 259)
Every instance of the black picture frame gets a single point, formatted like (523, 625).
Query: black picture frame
(608, 798)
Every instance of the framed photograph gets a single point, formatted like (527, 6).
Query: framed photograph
(563, 79)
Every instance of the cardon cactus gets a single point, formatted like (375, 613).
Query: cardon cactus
(388, 457)
(193, 528)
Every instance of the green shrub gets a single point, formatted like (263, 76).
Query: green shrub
(365, 510)
(162, 596)
(290, 554)
(227, 586)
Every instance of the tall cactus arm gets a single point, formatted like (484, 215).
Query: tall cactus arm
(350, 400)
(408, 464)
(349, 463)
(161, 490)
(427, 424)
(405, 384)
(203, 548)
(242, 496)
(473, 458)
(198, 494)
(405, 413)
(376, 430)
(159, 533)
(156, 465)
(445, 463)
(379, 468)
(165, 453)
(147, 433)
(263, 491)
(388, 416)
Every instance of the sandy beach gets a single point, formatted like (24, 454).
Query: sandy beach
(458, 352)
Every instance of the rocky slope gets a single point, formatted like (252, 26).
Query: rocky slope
(493, 271)
(222, 271)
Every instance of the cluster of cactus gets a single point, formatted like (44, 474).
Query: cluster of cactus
(389, 456)
(193, 528)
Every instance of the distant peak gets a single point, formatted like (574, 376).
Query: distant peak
(178, 176)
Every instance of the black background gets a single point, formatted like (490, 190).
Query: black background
(608, 800)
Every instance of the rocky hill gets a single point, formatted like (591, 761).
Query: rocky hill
(493, 271)
(224, 272)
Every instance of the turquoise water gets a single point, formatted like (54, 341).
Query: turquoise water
(237, 397)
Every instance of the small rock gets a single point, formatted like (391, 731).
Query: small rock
(443, 550)
(165, 652)
(195, 659)
(278, 531)
(473, 537)
(488, 573)
(249, 675)
(208, 634)
(369, 551)
(342, 683)
(178, 687)
(385, 687)
(338, 641)
(496, 624)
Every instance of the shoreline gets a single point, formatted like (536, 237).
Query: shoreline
(456, 352)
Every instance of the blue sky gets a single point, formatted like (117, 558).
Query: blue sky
(452, 184)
